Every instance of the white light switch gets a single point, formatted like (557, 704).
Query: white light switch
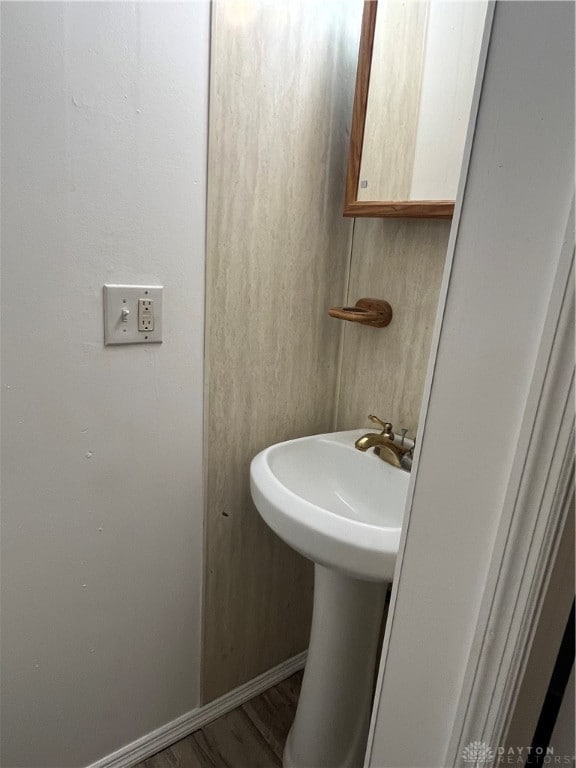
(132, 314)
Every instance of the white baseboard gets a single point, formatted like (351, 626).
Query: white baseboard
(182, 726)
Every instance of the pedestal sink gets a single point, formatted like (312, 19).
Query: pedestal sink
(342, 509)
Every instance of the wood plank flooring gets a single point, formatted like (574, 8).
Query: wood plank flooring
(251, 736)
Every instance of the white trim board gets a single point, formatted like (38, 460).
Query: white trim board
(183, 726)
(540, 491)
(431, 365)
(486, 396)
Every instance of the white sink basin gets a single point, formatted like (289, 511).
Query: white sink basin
(342, 509)
(332, 503)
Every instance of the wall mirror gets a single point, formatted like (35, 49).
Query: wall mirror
(414, 83)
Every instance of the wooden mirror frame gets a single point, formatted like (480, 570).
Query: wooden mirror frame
(437, 209)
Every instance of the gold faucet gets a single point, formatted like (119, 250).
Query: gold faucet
(383, 443)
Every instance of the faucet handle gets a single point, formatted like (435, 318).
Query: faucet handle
(386, 426)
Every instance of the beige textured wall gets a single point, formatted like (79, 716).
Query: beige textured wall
(278, 246)
(383, 369)
(278, 256)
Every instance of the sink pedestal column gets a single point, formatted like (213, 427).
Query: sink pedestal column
(333, 715)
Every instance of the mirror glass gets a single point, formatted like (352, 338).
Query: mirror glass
(423, 68)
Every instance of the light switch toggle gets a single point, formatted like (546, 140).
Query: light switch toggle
(125, 314)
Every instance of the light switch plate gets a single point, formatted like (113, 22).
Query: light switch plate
(121, 312)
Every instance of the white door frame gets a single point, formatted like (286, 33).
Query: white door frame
(537, 446)
(540, 492)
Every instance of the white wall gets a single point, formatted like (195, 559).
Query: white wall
(104, 110)
(513, 219)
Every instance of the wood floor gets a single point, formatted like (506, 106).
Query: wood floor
(251, 736)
